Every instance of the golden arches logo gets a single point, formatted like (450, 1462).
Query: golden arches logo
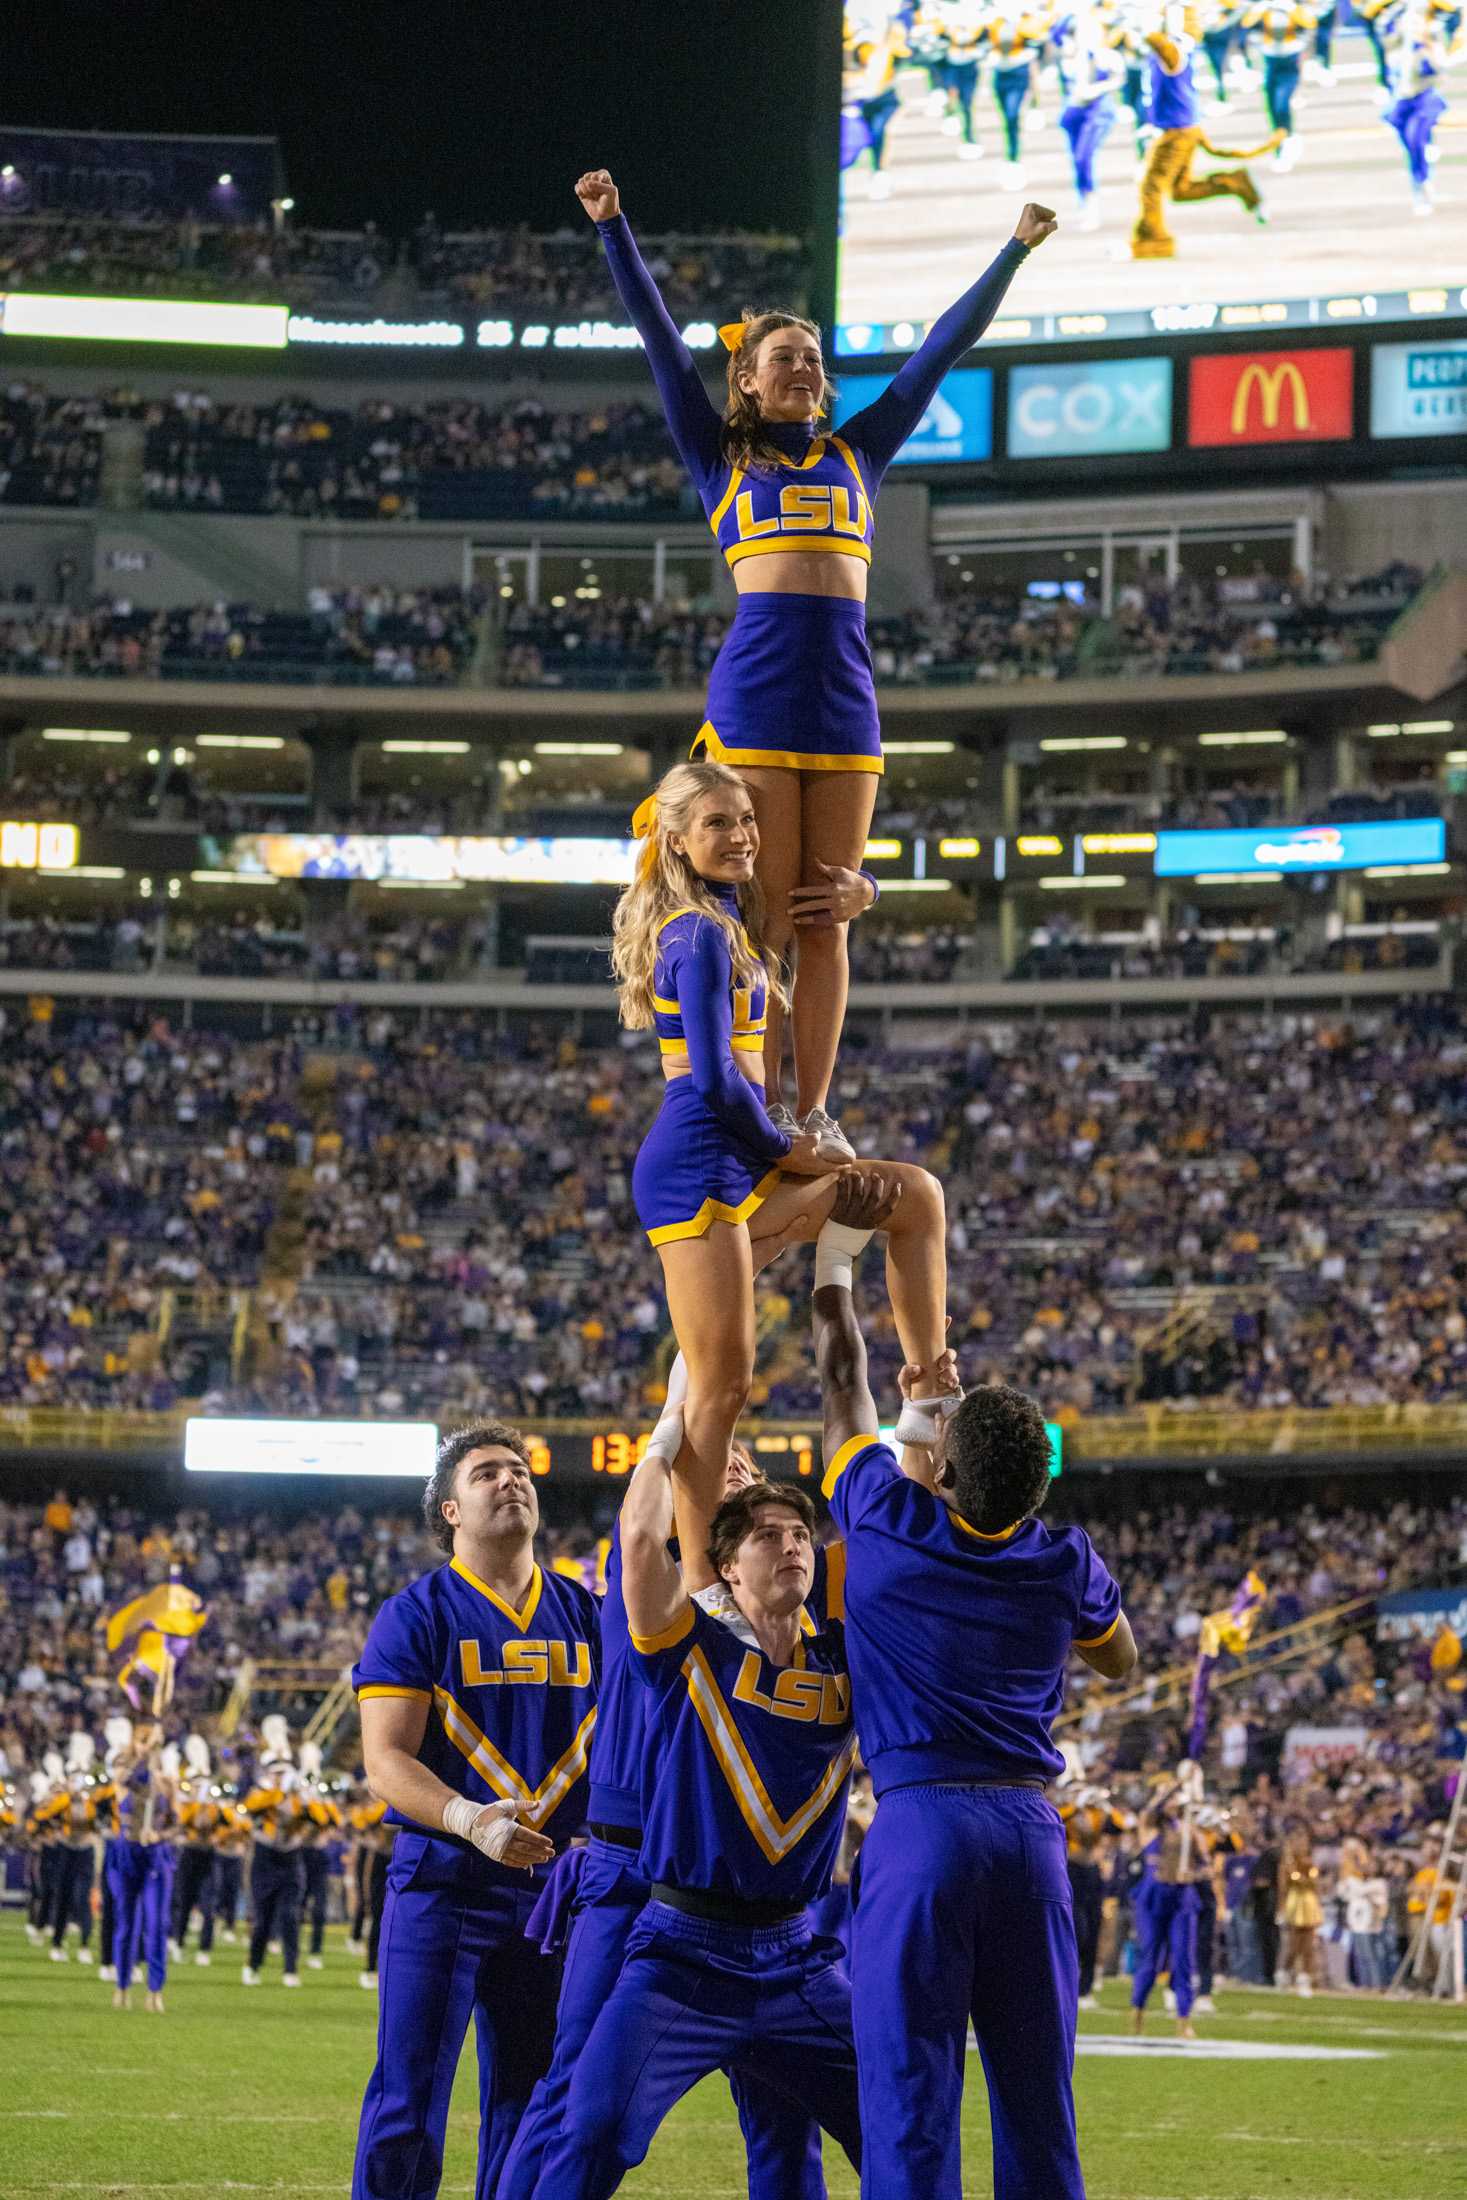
(1271, 382)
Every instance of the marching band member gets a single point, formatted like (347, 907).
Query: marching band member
(278, 1820)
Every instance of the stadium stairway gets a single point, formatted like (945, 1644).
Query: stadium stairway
(230, 556)
(1425, 652)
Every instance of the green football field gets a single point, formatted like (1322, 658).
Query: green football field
(238, 2091)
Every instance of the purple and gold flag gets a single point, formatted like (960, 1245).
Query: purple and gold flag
(1225, 1632)
(148, 1637)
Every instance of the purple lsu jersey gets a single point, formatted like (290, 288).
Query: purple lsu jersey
(957, 1641)
(752, 1761)
(1173, 95)
(621, 1763)
(817, 502)
(512, 1694)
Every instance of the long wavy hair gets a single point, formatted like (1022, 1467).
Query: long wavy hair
(665, 882)
(744, 439)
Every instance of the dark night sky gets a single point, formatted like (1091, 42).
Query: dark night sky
(485, 111)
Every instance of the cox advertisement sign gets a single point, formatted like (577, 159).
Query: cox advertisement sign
(1418, 389)
(1301, 848)
(1271, 397)
(1092, 410)
(958, 424)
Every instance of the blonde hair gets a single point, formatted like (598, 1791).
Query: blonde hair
(744, 440)
(665, 882)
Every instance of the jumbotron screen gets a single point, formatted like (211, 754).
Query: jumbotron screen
(1333, 150)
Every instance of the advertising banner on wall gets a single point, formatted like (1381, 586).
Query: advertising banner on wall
(1095, 410)
(1418, 389)
(1249, 397)
(958, 424)
(1302, 848)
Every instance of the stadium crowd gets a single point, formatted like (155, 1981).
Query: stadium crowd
(304, 1588)
(412, 1214)
(372, 632)
(558, 277)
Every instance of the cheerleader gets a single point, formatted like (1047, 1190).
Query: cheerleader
(1089, 115)
(1300, 1912)
(140, 1861)
(719, 1188)
(791, 699)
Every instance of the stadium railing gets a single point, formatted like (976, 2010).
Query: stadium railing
(1136, 1436)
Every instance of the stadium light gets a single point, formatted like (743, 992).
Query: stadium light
(916, 885)
(96, 870)
(82, 733)
(1263, 739)
(957, 848)
(580, 748)
(425, 748)
(232, 878)
(882, 851)
(919, 748)
(1084, 741)
(1429, 725)
(1237, 878)
(1406, 870)
(1058, 884)
(240, 740)
(1039, 844)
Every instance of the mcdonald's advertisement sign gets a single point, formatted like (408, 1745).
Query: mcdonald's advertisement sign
(1243, 397)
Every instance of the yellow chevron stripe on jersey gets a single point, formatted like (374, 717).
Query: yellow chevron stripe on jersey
(539, 1804)
(776, 1836)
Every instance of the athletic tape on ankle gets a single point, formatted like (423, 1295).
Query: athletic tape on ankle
(837, 1249)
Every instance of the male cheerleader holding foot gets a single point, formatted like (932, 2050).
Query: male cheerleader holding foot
(743, 1802)
(783, 2145)
(961, 1613)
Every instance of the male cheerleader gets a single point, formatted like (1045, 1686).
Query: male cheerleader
(742, 1814)
(477, 1689)
(961, 1612)
(782, 2144)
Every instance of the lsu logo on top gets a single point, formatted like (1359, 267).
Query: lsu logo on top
(532, 1663)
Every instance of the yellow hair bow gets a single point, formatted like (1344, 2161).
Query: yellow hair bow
(731, 335)
(644, 818)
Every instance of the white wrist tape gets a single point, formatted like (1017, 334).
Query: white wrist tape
(919, 1419)
(837, 1249)
(666, 1440)
(490, 1826)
